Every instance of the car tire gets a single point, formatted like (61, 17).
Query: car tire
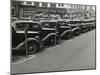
(52, 40)
(68, 35)
(32, 47)
(77, 33)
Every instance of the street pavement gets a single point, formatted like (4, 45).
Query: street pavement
(73, 54)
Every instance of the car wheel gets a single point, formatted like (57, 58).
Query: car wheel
(32, 47)
(68, 35)
(86, 29)
(52, 40)
(77, 33)
(83, 30)
(90, 28)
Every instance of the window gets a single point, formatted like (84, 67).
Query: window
(13, 12)
(44, 4)
(20, 26)
(49, 25)
(36, 4)
(33, 27)
(29, 2)
(30, 26)
(62, 5)
(53, 5)
(61, 22)
(59, 5)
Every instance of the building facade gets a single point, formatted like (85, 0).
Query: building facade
(70, 11)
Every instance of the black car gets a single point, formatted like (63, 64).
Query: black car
(83, 27)
(26, 34)
(50, 32)
(30, 36)
(87, 25)
(64, 30)
(91, 24)
(75, 25)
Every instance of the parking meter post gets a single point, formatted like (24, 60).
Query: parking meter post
(26, 43)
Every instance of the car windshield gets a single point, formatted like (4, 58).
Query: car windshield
(30, 26)
(49, 24)
(62, 23)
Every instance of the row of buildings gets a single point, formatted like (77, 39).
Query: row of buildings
(69, 11)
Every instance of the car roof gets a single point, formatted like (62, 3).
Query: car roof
(21, 21)
(89, 19)
(61, 20)
(48, 21)
(14, 18)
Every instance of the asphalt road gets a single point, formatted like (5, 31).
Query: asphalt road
(77, 53)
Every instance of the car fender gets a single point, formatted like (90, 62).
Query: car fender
(49, 35)
(76, 28)
(66, 31)
(28, 40)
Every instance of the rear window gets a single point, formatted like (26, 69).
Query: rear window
(30, 26)
(49, 24)
(61, 22)
(21, 26)
(34, 27)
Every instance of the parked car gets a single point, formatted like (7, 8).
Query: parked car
(87, 25)
(50, 31)
(64, 30)
(91, 23)
(26, 33)
(83, 27)
(75, 25)
(32, 35)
